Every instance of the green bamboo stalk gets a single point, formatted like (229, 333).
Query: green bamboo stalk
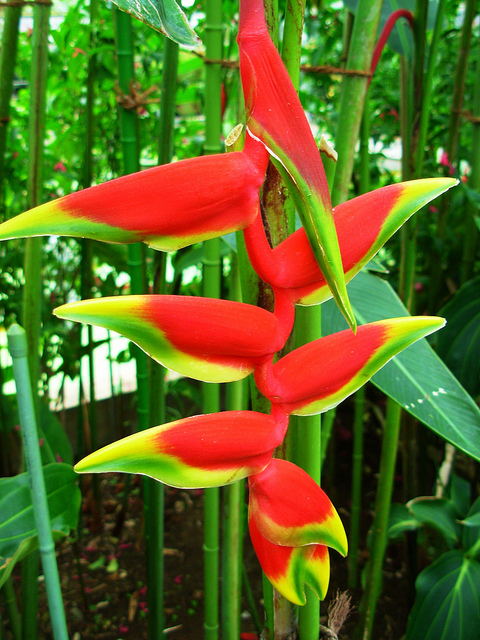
(8, 57)
(148, 412)
(470, 241)
(353, 92)
(32, 293)
(427, 88)
(451, 143)
(233, 496)
(156, 491)
(17, 344)
(211, 404)
(357, 457)
(86, 274)
(8, 592)
(383, 500)
(308, 431)
(357, 476)
(211, 289)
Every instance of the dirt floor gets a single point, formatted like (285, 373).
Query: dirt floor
(103, 573)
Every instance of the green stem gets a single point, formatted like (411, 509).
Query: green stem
(470, 241)
(380, 522)
(257, 623)
(211, 289)
(87, 275)
(357, 476)
(211, 404)
(354, 89)
(12, 608)
(307, 430)
(451, 143)
(328, 420)
(8, 57)
(17, 344)
(32, 293)
(426, 103)
(234, 496)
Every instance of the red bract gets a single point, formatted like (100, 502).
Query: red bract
(167, 207)
(276, 117)
(321, 374)
(206, 339)
(291, 523)
(375, 216)
(202, 451)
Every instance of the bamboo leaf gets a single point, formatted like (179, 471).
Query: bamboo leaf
(417, 378)
(18, 534)
(448, 600)
(165, 16)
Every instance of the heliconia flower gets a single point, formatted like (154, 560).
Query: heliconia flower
(321, 374)
(167, 207)
(363, 226)
(203, 338)
(201, 451)
(276, 117)
(292, 522)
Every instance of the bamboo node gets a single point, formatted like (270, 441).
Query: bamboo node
(136, 98)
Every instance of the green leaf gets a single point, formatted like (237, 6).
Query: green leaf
(447, 605)
(416, 378)
(18, 535)
(460, 494)
(163, 15)
(400, 520)
(471, 527)
(55, 435)
(459, 343)
(438, 513)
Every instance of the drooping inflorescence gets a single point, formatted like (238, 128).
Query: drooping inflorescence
(292, 522)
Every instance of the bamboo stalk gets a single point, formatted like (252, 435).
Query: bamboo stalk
(309, 430)
(10, 598)
(17, 344)
(8, 57)
(451, 143)
(353, 93)
(357, 476)
(470, 241)
(86, 273)
(211, 289)
(233, 495)
(383, 500)
(32, 293)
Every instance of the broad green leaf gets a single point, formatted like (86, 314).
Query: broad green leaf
(165, 16)
(459, 343)
(400, 520)
(18, 535)
(417, 378)
(438, 513)
(447, 605)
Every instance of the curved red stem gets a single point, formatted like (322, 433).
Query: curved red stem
(386, 31)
